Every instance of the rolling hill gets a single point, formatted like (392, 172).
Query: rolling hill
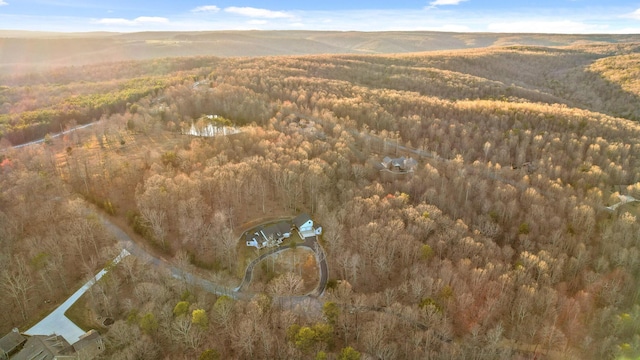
(20, 51)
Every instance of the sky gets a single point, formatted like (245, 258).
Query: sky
(544, 16)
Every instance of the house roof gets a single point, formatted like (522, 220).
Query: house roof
(42, 348)
(402, 163)
(301, 219)
(89, 345)
(410, 163)
(11, 341)
(254, 234)
(91, 338)
(277, 230)
(398, 161)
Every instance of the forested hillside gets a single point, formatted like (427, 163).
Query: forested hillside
(26, 50)
(497, 245)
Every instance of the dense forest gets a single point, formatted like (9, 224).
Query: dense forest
(501, 243)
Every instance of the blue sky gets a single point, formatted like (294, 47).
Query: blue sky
(559, 16)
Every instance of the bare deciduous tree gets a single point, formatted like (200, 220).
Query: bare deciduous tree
(18, 284)
(156, 220)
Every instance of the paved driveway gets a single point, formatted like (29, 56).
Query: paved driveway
(57, 322)
(310, 243)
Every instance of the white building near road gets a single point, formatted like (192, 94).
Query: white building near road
(304, 224)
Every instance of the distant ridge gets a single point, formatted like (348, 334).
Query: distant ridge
(25, 50)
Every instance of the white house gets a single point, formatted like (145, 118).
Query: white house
(255, 240)
(272, 235)
(304, 224)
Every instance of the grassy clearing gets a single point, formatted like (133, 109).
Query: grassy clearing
(83, 316)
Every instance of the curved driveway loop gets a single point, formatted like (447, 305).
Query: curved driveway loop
(310, 243)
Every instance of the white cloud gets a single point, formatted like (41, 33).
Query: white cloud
(3, 3)
(634, 15)
(257, 13)
(142, 20)
(445, 2)
(440, 19)
(206, 8)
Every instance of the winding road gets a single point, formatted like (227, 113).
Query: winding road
(56, 322)
(209, 286)
(40, 141)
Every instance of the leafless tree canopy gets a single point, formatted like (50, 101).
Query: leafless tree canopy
(497, 245)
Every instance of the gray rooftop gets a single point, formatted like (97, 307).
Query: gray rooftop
(301, 219)
(41, 347)
(11, 341)
(277, 230)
